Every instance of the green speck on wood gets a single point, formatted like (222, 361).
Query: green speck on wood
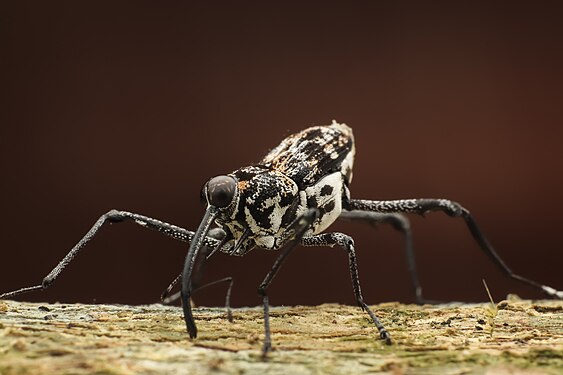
(523, 337)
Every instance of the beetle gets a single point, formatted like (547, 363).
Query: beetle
(290, 197)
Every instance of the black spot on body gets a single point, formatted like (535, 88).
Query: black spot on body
(329, 206)
(311, 202)
(287, 199)
(326, 190)
(239, 212)
(326, 208)
(261, 215)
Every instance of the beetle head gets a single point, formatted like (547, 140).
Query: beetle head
(220, 191)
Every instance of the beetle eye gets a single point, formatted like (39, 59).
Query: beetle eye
(221, 191)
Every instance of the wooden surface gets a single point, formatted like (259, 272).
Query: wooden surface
(516, 337)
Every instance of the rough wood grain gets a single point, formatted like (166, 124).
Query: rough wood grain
(517, 337)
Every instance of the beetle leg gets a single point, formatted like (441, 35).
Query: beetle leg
(452, 209)
(347, 243)
(112, 216)
(400, 223)
(298, 227)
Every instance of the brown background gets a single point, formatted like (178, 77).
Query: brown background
(134, 106)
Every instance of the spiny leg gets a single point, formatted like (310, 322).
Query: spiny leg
(347, 243)
(112, 216)
(298, 227)
(401, 224)
(452, 209)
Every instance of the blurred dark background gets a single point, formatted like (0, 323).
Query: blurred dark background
(135, 105)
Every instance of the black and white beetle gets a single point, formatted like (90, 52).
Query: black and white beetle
(290, 197)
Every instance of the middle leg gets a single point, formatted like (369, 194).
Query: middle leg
(346, 242)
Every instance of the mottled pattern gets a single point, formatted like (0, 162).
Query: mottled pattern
(309, 169)
(308, 156)
(415, 206)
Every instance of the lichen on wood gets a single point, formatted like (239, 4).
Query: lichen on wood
(515, 337)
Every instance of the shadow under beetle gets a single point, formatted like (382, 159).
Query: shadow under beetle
(290, 197)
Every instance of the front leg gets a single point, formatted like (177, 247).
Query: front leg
(298, 229)
(452, 209)
(112, 216)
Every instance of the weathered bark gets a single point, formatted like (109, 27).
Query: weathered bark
(517, 337)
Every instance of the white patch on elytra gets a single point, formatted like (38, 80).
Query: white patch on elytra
(333, 180)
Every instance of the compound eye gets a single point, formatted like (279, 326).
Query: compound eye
(221, 191)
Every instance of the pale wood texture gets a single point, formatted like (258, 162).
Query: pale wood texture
(518, 337)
